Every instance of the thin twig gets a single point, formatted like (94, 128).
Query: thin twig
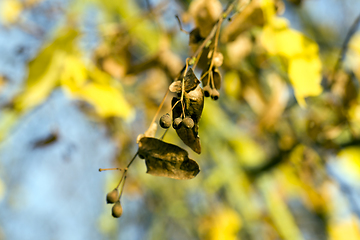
(159, 108)
(122, 188)
(197, 59)
(122, 177)
(131, 161)
(107, 169)
(180, 25)
(183, 86)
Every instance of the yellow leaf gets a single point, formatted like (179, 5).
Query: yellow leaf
(347, 230)
(249, 152)
(107, 100)
(300, 52)
(74, 73)
(10, 11)
(305, 76)
(45, 69)
(38, 91)
(224, 224)
(95, 87)
(349, 158)
(353, 55)
(227, 225)
(287, 42)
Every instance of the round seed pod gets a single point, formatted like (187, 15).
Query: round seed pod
(112, 196)
(218, 59)
(117, 210)
(188, 122)
(215, 94)
(177, 123)
(207, 91)
(165, 121)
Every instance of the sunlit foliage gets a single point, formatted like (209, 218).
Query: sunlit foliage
(286, 115)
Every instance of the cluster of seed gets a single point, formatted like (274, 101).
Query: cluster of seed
(212, 83)
(166, 121)
(113, 197)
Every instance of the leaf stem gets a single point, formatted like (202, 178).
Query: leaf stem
(159, 108)
(107, 169)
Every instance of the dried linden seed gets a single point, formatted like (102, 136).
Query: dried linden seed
(112, 196)
(117, 210)
(215, 94)
(188, 122)
(177, 123)
(207, 91)
(218, 59)
(165, 121)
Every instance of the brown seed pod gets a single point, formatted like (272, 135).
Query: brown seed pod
(215, 94)
(218, 59)
(177, 123)
(165, 121)
(117, 210)
(207, 91)
(188, 122)
(112, 196)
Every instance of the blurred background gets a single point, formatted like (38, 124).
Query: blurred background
(81, 79)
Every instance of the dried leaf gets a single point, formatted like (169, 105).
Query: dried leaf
(167, 160)
(190, 137)
(217, 78)
(194, 104)
(175, 86)
(191, 82)
(194, 36)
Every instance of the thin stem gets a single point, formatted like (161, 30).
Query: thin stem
(183, 86)
(107, 169)
(197, 59)
(159, 108)
(122, 188)
(215, 44)
(212, 85)
(122, 177)
(131, 161)
(180, 25)
(162, 137)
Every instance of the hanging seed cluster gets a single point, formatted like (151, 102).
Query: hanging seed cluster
(113, 197)
(187, 108)
(165, 159)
